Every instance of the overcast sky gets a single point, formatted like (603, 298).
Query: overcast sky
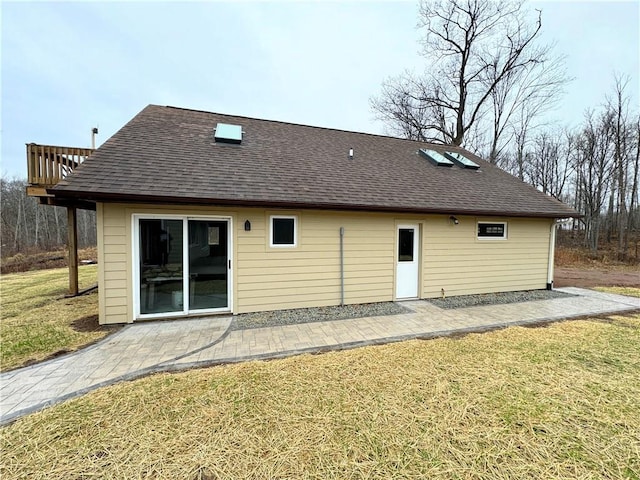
(67, 67)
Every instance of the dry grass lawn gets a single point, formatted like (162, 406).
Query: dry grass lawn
(555, 402)
(628, 291)
(36, 320)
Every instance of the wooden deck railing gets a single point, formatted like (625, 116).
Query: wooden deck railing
(48, 164)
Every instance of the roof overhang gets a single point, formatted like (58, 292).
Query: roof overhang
(169, 200)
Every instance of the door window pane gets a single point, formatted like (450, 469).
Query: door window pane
(405, 245)
(161, 269)
(208, 270)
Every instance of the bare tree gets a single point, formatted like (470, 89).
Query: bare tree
(551, 163)
(483, 61)
(622, 154)
(594, 171)
(521, 99)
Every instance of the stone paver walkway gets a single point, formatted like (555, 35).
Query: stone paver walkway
(133, 349)
(143, 348)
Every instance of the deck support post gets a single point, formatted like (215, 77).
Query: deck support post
(72, 243)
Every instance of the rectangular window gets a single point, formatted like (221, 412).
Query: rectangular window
(493, 231)
(283, 231)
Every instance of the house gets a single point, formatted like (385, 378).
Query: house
(201, 213)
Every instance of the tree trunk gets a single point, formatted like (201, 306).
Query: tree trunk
(57, 220)
(611, 215)
(16, 234)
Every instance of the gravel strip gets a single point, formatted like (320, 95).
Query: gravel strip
(497, 298)
(295, 316)
(320, 314)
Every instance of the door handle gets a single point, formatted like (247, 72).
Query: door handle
(229, 264)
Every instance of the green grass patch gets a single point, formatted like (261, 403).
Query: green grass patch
(554, 402)
(36, 320)
(628, 291)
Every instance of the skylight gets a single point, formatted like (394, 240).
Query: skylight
(436, 158)
(227, 133)
(462, 161)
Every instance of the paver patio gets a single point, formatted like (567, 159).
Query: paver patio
(144, 348)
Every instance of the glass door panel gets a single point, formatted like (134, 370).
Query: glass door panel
(208, 271)
(161, 266)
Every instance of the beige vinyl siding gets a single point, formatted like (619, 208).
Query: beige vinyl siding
(455, 260)
(270, 278)
(114, 264)
(309, 274)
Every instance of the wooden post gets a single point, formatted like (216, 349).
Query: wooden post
(72, 227)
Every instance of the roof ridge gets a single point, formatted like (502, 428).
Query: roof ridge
(379, 135)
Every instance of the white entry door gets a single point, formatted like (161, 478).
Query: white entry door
(407, 268)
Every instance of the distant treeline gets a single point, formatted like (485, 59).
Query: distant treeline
(28, 226)
(595, 168)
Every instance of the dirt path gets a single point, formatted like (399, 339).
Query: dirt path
(587, 278)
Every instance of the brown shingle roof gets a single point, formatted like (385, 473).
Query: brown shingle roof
(168, 155)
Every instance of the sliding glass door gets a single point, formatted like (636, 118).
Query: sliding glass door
(208, 259)
(182, 266)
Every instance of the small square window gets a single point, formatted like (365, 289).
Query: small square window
(492, 231)
(283, 231)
